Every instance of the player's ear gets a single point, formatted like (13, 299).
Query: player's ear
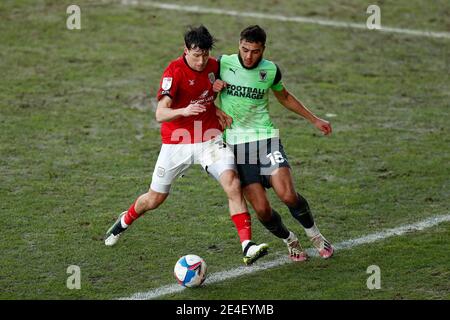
(185, 50)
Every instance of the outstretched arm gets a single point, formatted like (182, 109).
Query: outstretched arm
(290, 102)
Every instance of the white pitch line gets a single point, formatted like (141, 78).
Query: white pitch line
(240, 271)
(277, 17)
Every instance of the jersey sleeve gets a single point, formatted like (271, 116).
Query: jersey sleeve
(169, 83)
(277, 83)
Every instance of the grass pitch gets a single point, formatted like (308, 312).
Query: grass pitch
(78, 143)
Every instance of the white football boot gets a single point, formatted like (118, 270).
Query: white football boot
(253, 252)
(296, 252)
(322, 245)
(113, 233)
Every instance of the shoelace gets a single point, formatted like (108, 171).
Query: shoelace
(295, 247)
(318, 242)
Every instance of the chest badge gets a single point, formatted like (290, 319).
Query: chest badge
(263, 75)
(211, 77)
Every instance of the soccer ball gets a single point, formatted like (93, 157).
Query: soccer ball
(190, 271)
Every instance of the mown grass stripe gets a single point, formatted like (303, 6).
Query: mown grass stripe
(278, 17)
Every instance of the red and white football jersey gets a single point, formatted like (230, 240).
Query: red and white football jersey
(186, 86)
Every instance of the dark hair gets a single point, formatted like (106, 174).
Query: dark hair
(199, 38)
(254, 34)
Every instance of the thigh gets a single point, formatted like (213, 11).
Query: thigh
(173, 160)
(216, 157)
(256, 194)
(282, 182)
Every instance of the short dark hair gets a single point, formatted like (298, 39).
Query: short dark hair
(254, 34)
(199, 37)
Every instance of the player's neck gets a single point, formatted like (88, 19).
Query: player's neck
(252, 67)
(187, 63)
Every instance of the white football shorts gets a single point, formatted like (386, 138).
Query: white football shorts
(174, 159)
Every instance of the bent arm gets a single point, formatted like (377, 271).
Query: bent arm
(290, 102)
(164, 112)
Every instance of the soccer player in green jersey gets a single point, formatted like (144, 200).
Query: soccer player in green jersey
(245, 80)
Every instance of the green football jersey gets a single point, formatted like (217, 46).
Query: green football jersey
(246, 98)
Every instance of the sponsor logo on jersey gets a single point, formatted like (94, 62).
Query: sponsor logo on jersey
(203, 100)
(166, 83)
(245, 92)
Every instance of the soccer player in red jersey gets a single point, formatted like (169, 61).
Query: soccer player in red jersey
(191, 132)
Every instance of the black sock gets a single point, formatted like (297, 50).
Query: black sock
(118, 229)
(276, 226)
(302, 213)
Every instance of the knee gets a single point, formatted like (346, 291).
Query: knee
(233, 187)
(290, 199)
(263, 211)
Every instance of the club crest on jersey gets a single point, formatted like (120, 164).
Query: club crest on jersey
(211, 77)
(166, 83)
(263, 75)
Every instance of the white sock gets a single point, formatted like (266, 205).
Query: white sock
(291, 237)
(122, 222)
(313, 231)
(244, 244)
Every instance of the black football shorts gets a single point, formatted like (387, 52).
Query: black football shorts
(257, 160)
